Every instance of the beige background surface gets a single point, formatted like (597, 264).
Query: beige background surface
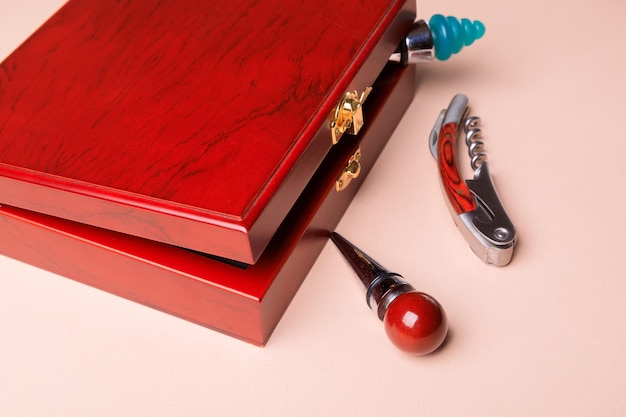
(543, 336)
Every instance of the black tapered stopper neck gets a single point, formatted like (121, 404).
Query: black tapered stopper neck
(366, 268)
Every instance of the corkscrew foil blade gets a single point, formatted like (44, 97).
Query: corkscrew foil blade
(474, 204)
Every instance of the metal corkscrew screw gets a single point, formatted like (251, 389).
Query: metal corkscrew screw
(414, 322)
(473, 140)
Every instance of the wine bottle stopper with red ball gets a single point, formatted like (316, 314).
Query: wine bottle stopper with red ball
(414, 322)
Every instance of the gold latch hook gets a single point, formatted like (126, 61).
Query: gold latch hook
(352, 170)
(348, 116)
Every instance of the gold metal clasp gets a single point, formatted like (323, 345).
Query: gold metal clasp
(348, 116)
(352, 170)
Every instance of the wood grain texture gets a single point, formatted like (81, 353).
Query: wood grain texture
(457, 191)
(245, 303)
(197, 110)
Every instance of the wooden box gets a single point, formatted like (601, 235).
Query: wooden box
(180, 154)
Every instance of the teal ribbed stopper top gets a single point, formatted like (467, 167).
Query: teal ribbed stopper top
(450, 34)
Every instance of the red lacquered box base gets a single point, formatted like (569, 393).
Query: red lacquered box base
(244, 302)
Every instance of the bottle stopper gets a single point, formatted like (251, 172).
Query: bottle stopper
(414, 321)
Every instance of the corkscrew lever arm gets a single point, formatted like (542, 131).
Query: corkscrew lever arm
(474, 204)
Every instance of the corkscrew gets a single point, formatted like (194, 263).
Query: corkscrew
(474, 204)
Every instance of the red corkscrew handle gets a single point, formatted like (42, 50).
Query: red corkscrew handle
(416, 323)
(457, 190)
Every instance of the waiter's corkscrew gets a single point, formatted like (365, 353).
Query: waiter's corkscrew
(474, 204)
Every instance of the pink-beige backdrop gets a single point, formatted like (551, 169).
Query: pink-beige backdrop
(542, 336)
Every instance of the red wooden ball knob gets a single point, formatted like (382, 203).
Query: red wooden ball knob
(416, 323)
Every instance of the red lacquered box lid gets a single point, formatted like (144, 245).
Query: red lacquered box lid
(195, 123)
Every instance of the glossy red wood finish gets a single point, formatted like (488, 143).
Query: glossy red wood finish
(245, 303)
(196, 123)
(458, 192)
(416, 323)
